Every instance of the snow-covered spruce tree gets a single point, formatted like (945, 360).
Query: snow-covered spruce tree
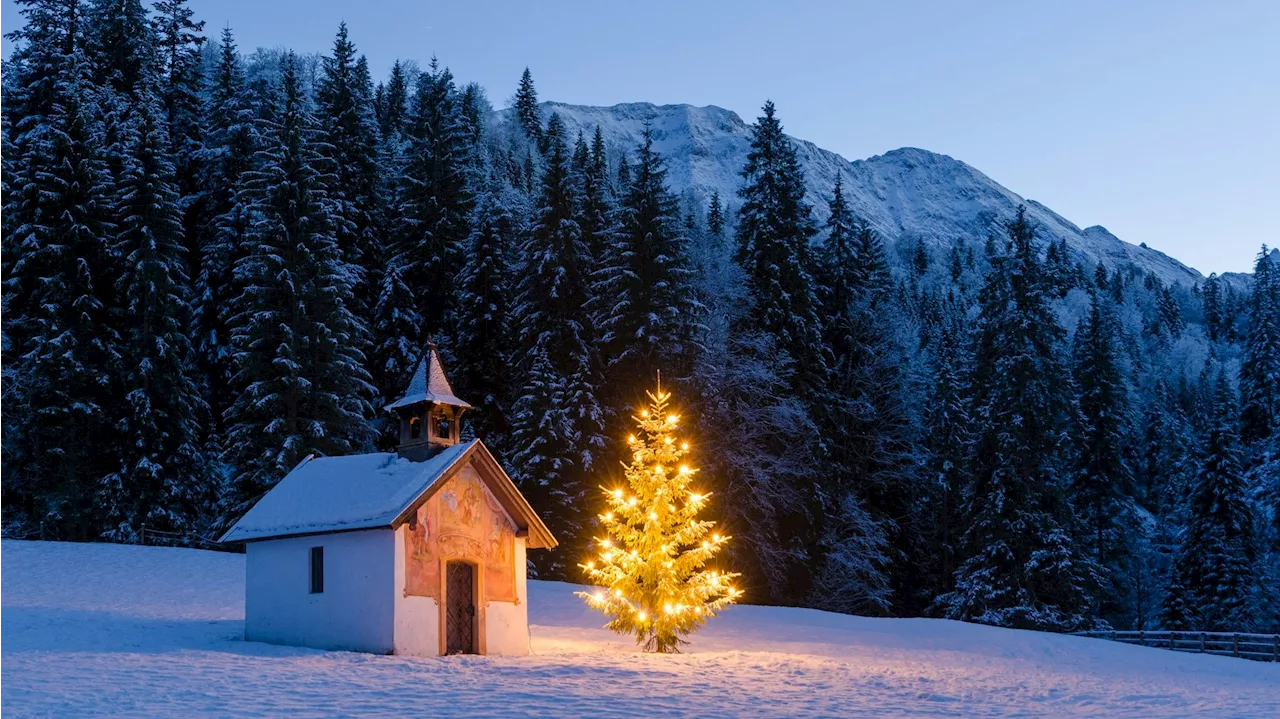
(162, 481)
(948, 437)
(651, 567)
(1060, 272)
(715, 221)
(345, 111)
(868, 473)
(396, 327)
(120, 45)
(1260, 367)
(764, 372)
(709, 252)
(1023, 565)
(1104, 479)
(179, 40)
(544, 447)
(434, 201)
(230, 143)
(178, 43)
(393, 104)
(553, 294)
(650, 313)
(1213, 580)
(299, 382)
(7, 248)
(755, 424)
(1104, 485)
(395, 323)
(526, 105)
(8, 228)
(1166, 466)
(1214, 311)
(61, 344)
(599, 211)
(485, 340)
(919, 258)
(600, 217)
(774, 229)
(1168, 323)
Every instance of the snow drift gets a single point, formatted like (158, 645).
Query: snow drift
(110, 630)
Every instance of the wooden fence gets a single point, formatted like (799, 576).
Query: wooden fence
(177, 539)
(1258, 647)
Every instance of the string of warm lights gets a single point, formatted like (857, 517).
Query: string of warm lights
(651, 566)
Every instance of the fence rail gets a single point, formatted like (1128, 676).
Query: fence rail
(1258, 647)
(155, 536)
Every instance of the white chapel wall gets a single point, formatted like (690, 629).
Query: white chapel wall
(356, 610)
(417, 623)
(508, 624)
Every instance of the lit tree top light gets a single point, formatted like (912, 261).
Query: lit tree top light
(651, 569)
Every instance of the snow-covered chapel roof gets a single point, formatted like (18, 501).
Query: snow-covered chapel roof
(375, 491)
(429, 384)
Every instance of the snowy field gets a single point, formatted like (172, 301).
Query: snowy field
(106, 630)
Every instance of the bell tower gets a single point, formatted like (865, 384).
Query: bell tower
(429, 413)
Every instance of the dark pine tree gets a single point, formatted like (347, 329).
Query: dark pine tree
(396, 329)
(62, 349)
(599, 212)
(948, 437)
(394, 106)
(231, 139)
(526, 106)
(178, 43)
(485, 342)
(434, 203)
(1023, 566)
(1168, 323)
(649, 313)
(1214, 316)
(556, 430)
(715, 220)
(1213, 575)
(920, 258)
(162, 482)
(1104, 477)
(300, 383)
(1260, 367)
(121, 46)
(774, 229)
(864, 423)
(345, 112)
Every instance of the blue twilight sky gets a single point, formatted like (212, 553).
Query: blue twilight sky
(1158, 119)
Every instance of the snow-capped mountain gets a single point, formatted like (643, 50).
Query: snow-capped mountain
(905, 193)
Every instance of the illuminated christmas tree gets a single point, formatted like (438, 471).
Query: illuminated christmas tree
(651, 568)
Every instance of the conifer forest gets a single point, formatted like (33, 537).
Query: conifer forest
(217, 262)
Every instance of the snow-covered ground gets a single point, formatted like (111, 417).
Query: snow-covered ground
(107, 630)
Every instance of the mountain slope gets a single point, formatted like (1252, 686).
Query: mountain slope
(905, 194)
(114, 630)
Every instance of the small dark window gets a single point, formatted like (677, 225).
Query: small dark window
(317, 570)
(415, 428)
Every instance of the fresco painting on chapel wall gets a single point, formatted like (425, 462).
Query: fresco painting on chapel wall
(462, 521)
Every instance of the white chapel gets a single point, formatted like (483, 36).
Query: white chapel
(419, 552)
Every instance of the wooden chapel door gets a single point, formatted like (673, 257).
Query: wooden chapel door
(460, 609)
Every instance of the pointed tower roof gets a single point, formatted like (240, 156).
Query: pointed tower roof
(429, 384)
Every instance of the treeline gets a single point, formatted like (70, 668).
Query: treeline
(216, 264)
